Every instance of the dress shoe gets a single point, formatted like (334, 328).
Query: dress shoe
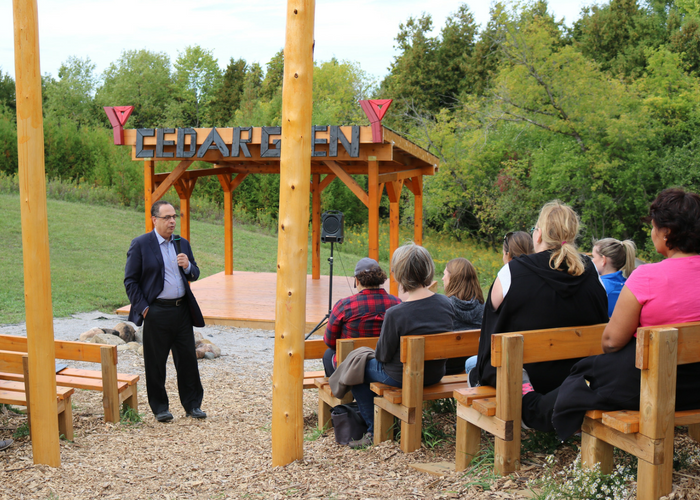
(196, 413)
(164, 416)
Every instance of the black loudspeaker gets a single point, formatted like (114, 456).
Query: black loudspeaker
(332, 226)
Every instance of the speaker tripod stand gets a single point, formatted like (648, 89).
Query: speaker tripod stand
(330, 297)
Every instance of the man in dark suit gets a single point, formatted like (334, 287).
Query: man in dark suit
(158, 268)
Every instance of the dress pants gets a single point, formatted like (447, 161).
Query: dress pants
(169, 327)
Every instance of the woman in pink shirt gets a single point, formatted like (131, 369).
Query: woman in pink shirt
(655, 294)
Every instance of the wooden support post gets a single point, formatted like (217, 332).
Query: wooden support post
(412, 393)
(226, 184)
(35, 235)
(316, 226)
(656, 412)
(383, 425)
(418, 210)
(148, 188)
(694, 432)
(393, 190)
(509, 403)
(184, 188)
(293, 242)
(373, 206)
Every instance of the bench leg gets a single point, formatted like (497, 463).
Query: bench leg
(656, 481)
(507, 455)
(411, 433)
(694, 432)
(383, 425)
(468, 442)
(110, 391)
(65, 419)
(594, 450)
(132, 400)
(324, 415)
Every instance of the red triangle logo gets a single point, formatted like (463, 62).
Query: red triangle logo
(123, 113)
(380, 106)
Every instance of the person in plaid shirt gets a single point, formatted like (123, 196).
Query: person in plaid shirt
(360, 315)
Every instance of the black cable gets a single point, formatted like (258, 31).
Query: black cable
(345, 273)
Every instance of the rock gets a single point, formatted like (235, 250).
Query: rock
(209, 355)
(206, 341)
(126, 332)
(106, 338)
(213, 349)
(123, 347)
(139, 335)
(111, 331)
(86, 336)
(200, 352)
(197, 336)
(140, 351)
(133, 346)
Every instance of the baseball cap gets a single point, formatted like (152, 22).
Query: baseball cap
(366, 264)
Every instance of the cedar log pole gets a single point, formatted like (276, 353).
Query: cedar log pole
(35, 237)
(292, 250)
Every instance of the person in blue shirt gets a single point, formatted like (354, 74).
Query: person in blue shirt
(615, 261)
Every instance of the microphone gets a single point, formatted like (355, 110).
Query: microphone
(176, 240)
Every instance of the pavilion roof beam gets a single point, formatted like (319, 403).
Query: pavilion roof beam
(348, 181)
(405, 174)
(171, 179)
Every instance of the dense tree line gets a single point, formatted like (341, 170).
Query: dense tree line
(601, 114)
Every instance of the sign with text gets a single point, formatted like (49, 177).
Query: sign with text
(240, 142)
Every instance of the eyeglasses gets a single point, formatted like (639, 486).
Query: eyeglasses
(533, 228)
(506, 240)
(167, 218)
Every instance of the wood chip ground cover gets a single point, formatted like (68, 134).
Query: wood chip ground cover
(228, 455)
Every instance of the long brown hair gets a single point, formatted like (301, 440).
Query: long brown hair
(518, 243)
(559, 225)
(464, 283)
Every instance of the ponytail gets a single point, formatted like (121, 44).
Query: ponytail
(630, 256)
(622, 254)
(568, 253)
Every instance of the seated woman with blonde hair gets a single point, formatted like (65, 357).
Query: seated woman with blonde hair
(655, 294)
(555, 287)
(615, 261)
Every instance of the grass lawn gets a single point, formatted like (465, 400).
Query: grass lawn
(88, 253)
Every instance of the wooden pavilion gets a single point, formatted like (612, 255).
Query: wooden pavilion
(389, 161)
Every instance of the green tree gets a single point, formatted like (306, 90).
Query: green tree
(139, 78)
(227, 98)
(7, 91)
(197, 78)
(72, 95)
(337, 87)
(274, 77)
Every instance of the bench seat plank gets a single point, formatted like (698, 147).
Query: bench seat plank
(76, 372)
(626, 422)
(430, 392)
(469, 395)
(485, 406)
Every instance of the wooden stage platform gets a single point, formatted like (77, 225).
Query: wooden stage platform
(247, 299)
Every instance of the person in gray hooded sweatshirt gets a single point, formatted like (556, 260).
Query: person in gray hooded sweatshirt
(463, 289)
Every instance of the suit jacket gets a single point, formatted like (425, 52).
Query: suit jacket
(144, 276)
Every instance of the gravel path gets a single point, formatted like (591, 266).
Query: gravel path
(228, 455)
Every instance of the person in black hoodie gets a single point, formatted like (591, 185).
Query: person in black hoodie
(463, 288)
(555, 287)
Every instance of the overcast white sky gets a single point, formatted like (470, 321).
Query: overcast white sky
(361, 31)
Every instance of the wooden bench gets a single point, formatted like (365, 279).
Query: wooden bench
(326, 399)
(16, 393)
(406, 403)
(648, 433)
(117, 388)
(497, 410)
(313, 349)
